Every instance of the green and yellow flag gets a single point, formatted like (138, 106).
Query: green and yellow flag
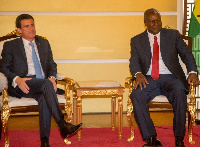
(194, 32)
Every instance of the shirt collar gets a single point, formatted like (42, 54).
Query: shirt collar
(151, 36)
(26, 42)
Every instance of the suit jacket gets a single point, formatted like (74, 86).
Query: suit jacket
(171, 45)
(14, 61)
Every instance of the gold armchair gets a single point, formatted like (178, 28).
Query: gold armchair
(157, 105)
(28, 106)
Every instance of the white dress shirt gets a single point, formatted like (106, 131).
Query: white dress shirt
(28, 51)
(162, 68)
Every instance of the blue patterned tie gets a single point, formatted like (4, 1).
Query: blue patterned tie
(36, 63)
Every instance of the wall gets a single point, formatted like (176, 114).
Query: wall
(90, 39)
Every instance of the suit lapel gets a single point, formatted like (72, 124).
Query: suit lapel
(22, 49)
(40, 51)
(163, 45)
(146, 48)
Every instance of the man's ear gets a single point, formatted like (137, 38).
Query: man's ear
(19, 30)
(145, 23)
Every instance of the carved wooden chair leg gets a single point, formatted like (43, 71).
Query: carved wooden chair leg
(192, 113)
(191, 125)
(68, 105)
(5, 116)
(130, 119)
(68, 108)
(6, 136)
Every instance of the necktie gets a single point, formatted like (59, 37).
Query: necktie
(155, 63)
(36, 63)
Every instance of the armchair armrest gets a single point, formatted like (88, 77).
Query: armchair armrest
(129, 82)
(64, 78)
(3, 89)
(60, 76)
(3, 81)
(69, 93)
(192, 112)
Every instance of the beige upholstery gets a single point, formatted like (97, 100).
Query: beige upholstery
(28, 106)
(160, 103)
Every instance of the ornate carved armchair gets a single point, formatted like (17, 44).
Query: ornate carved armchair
(28, 106)
(160, 103)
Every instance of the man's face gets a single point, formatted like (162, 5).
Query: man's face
(27, 29)
(153, 23)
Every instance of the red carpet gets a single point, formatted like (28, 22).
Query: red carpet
(96, 137)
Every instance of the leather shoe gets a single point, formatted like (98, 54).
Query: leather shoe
(179, 142)
(152, 142)
(45, 142)
(69, 129)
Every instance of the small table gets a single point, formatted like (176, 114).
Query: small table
(98, 88)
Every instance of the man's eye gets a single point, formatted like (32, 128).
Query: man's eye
(155, 21)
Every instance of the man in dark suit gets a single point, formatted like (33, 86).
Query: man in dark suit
(28, 64)
(155, 65)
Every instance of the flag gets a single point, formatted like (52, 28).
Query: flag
(194, 32)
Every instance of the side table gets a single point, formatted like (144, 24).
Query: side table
(98, 88)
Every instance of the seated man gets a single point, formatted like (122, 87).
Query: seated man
(155, 64)
(28, 64)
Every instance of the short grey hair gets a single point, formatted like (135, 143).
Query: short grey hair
(149, 11)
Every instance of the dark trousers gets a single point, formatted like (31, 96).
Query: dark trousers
(43, 92)
(174, 90)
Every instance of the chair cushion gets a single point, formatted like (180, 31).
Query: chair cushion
(162, 98)
(15, 102)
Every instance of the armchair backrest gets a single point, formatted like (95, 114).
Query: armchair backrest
(10, 36)
(188, 41)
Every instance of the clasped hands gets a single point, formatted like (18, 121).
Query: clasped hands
(142, 81)
(21, 82)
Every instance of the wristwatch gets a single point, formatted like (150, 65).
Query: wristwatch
(52, 77)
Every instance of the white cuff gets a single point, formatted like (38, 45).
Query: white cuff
(14, 84)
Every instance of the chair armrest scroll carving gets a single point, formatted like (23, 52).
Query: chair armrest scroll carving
(129, 84)
(5, 109)
(69, 94)
(192, 111)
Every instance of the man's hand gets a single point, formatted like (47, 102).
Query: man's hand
(54, 83)
(192, 78)
(140, 80)
(21, 82)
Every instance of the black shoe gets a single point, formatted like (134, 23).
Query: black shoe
(152, 142)
(45, 142)
(179, 142)
(45, 145)
(69, 129)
